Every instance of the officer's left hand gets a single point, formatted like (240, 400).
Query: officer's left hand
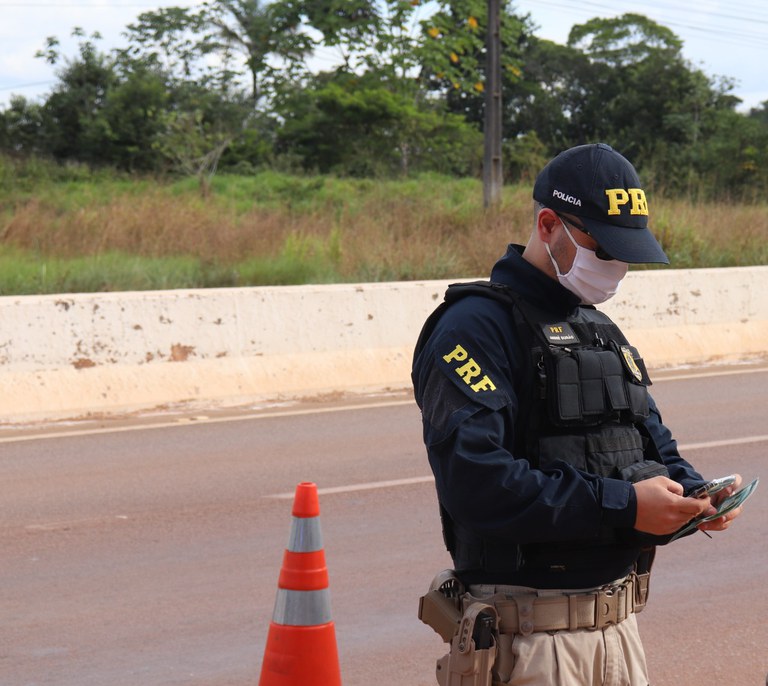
(722, 523)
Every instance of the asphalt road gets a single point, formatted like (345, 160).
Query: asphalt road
(146, 551)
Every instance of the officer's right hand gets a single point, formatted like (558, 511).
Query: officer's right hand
(661, 507)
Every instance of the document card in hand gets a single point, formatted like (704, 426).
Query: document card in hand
(730, 503)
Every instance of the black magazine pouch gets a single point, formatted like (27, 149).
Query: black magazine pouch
(585, 386)
(563, 388)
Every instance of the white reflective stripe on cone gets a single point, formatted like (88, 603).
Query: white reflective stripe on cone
(306, 536)
(302, 608)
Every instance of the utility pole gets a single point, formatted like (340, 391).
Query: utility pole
(492, 176)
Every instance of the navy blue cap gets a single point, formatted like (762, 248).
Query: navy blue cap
(598, 185)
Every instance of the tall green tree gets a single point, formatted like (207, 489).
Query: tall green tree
(204, 53)
(134, 109)
(646, 89)
(760, 113)
(453, 52)
(368, 35)
(264, 37)
(258, 31)
(73, 122)
(21, 127)
(622, 79)
(359, 126)
(670, 118)
(347, 26)
(624, 40)
(102, 110)
(730, 161)
(545, 99)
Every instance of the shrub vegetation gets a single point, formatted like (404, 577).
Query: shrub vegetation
(64, 229)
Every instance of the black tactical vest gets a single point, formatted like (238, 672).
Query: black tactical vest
(588, 404)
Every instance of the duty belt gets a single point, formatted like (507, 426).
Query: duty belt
(524, 611)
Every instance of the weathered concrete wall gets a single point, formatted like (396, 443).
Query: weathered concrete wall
(74, 355)
(681, 317)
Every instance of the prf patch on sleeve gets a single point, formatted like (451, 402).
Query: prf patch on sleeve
(469, 371)
(559, 334)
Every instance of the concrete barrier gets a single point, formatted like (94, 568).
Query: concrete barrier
(89, 354)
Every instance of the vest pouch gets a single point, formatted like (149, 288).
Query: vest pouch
(563, 388)
(585, 387)
(646, 469)
(613, 448)
(638, 402)
(556, 450)
(614, 386)
(592, 382)
(605, 450)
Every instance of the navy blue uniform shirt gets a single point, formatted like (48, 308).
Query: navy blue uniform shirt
(469, 432)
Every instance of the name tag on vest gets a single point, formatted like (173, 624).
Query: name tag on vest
(559, 334)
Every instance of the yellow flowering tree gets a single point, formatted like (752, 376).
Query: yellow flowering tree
(453, 49)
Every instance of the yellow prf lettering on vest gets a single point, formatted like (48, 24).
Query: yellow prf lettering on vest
(556, 329)
(470, 370)
(485, 384)
(618, 197)
(458, 354)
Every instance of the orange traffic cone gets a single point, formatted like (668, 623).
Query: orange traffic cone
(301, 644)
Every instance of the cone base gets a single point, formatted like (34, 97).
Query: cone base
(300, 656)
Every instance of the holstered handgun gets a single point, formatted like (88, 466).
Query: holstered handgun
(470, 633)
(473, 649)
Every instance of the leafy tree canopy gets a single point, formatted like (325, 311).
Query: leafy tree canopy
(234, 83)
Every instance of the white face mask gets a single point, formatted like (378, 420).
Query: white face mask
(592, 279)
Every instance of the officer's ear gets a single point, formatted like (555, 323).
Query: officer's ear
(546, 222)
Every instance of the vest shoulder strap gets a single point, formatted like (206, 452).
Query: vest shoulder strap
(457, 291)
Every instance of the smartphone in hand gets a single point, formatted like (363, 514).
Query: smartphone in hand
(714, 486)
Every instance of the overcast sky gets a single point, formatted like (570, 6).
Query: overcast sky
(726, 39)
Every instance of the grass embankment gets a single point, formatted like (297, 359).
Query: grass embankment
(83, 232)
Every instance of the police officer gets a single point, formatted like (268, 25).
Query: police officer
(555, 475)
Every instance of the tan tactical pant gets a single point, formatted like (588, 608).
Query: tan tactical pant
(609, 655)
(612, 656)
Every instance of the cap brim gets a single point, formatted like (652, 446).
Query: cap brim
(626, 243)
